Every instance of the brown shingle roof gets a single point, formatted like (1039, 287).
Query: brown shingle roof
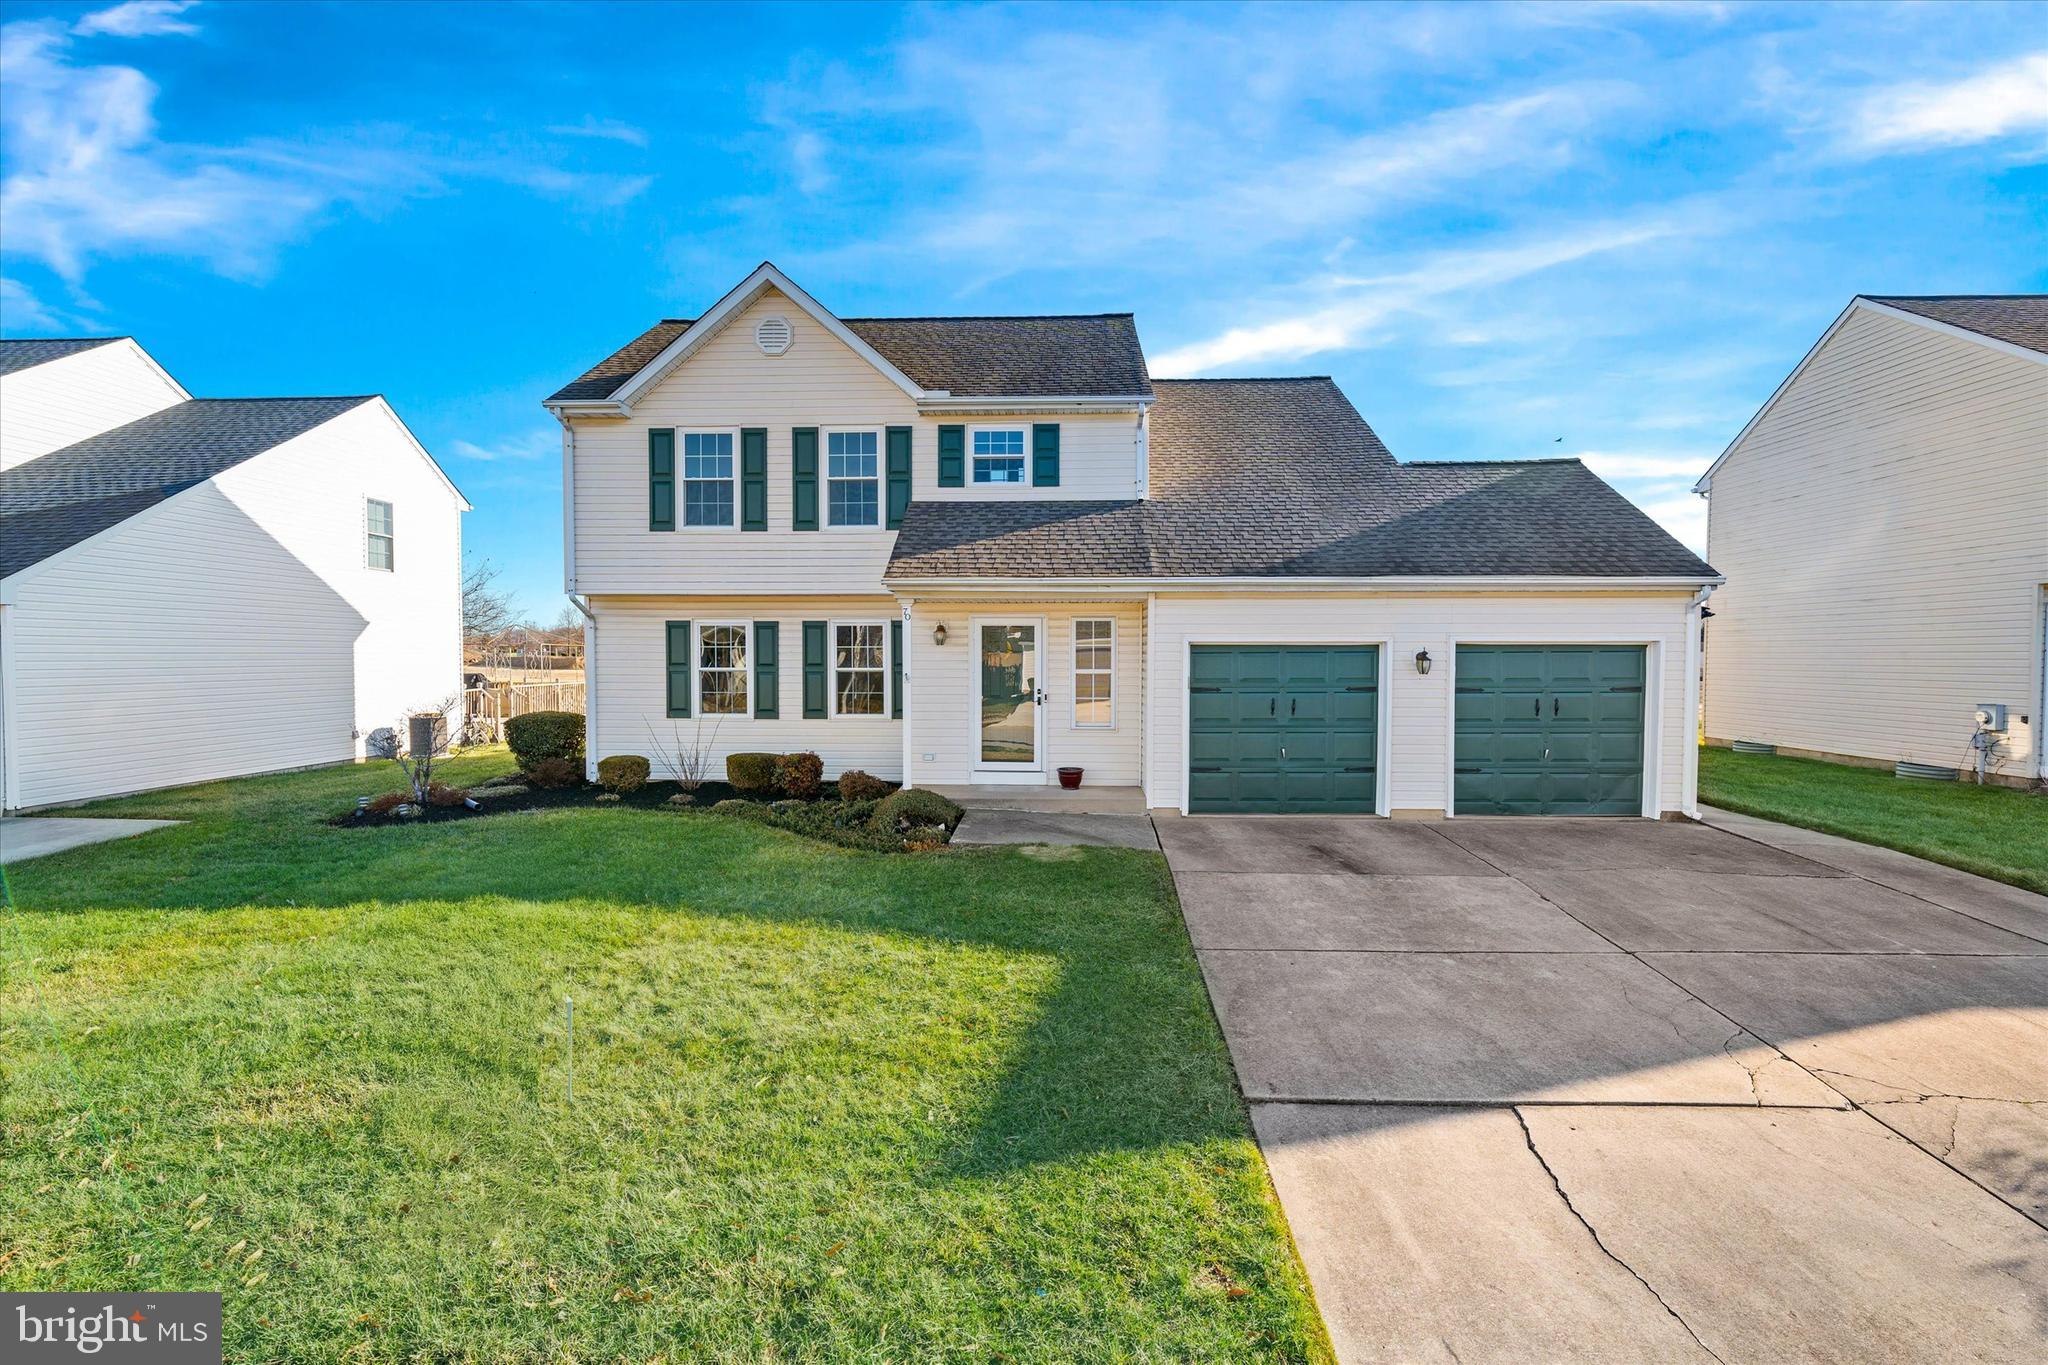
(1281, 478)
(1084, 355)
(2021, 319)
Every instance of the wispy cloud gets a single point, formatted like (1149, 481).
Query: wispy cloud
(88, 176)
(538, 444)
(1997, 102)
(138, 19)
(1683, 515)
(1622, 464)
(1349, 308)
(21, 311)
(605, 129)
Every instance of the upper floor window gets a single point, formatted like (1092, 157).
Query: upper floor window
(853, 495)
(707, 478)
(999, 455)
(722, 670)
(380, 547)
(860, 667)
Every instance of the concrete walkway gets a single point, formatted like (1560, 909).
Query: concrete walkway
(22, 838)
(1624, 1090)
(1106, 817)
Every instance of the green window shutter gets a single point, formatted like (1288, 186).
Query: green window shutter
(679, 668)
(661, 479)
(896, 670)
(814, 670)
(899, 474)
(952, 457)
(803, 464)
(754, 479)
(1045, 455)
(767, 681)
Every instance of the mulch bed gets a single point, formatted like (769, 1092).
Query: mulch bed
(653, 796)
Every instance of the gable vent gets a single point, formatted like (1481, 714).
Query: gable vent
(773, 335)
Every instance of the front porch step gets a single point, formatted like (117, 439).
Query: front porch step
(1084, 800)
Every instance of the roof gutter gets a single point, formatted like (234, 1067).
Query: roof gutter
(971, 587)
(1038, 403)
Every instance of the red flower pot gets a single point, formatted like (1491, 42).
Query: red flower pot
(1070, 778)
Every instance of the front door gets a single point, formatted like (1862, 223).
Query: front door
(1009, 739)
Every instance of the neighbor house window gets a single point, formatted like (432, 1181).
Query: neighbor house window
(381, 545)
(853, 490)
(722, 670)
(1094, 668)
(999, 455)
(860, 667)
(707, 478)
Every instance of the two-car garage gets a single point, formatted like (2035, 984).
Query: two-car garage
(1535, 729)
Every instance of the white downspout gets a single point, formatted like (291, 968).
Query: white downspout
(10, 754)
(1689, 791)
(908, 687)
(590, 753)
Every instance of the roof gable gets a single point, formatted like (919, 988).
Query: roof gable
(2017, 315)
(1090, 357)
(21, 353)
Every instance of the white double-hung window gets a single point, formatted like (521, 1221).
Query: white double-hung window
(853, 492)
(860, 668)
(722, 669)
(707, 478)
(1094, 673)
(999, 455)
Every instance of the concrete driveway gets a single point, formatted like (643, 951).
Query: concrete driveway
(1622, 1090)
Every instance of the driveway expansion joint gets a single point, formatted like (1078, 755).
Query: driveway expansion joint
(1529, 1139)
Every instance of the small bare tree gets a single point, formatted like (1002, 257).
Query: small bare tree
(689, 760)
(426, 732)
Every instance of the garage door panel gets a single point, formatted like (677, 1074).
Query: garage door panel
(1549, 729)
(1248, 704)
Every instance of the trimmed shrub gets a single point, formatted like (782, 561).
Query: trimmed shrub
(554, 772)
(925, 838)
(848, 814)
(900, 812)
(751, 773)
(855, 785)
(622, 773)
(800, 776)
(541, 735)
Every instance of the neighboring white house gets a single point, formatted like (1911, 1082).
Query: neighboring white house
(202, 588)
(1883, 523)
(975, 550)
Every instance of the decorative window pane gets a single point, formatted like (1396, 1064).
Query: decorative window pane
(852, 486)
(707, 478)
(999, 456)
(1094, 670)
(859, 669)
(722, 670)
(381, 538)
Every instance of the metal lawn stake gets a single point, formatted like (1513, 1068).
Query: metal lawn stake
(569, 1015)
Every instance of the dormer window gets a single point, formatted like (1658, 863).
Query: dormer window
(998, 455)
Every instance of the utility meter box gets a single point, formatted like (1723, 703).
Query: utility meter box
(1991, 716)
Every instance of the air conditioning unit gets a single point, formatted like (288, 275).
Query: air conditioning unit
(1991, 716)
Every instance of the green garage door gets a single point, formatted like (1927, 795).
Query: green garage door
(1278, 729)
(1549, 730)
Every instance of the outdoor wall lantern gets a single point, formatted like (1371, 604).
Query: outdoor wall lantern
(939, 633)
(1422, 661)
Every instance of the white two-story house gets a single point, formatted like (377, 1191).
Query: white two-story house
(960, 551)
(199, 588)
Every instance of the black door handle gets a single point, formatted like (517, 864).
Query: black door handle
(1292, 702)
(1536, 706)
(1273, 706)
(1553, 706)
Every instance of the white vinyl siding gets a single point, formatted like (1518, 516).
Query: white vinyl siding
(235, 627)
(819, 383)
(628, 684)
(942, 691)
(1415, 744)
(61, 402)
(1884, 531)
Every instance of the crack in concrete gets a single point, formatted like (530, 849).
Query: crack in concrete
(1529, 1139)
(1908, 1095)
(1727, 1046)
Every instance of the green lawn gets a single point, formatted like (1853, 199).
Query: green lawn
(829, 1105)
(1993, 831)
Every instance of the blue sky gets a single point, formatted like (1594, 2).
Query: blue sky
(1517, 230)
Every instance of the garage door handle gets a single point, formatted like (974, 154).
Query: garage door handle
(1553, 706)
(1292, 702)
(1273, 706)
(1537, 708)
